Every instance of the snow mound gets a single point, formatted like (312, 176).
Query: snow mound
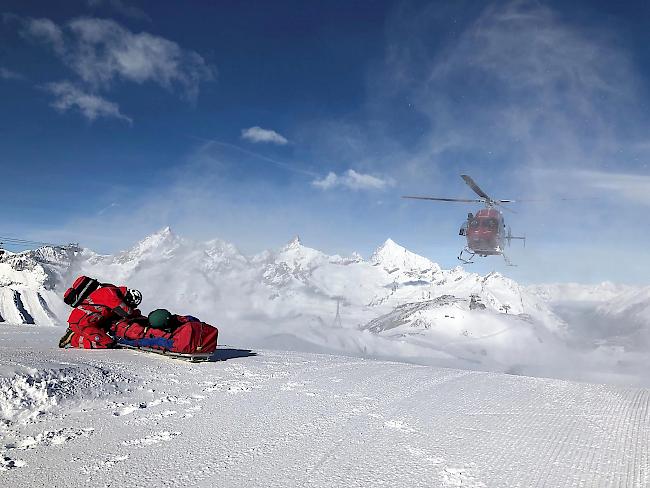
(28, 394)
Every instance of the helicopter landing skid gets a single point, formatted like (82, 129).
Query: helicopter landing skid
(466, 259)
(466, 256)
(507, 260)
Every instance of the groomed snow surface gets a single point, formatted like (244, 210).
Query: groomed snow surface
(130, 419)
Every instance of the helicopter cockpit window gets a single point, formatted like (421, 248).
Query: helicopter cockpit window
(490, 224)
(473, 224)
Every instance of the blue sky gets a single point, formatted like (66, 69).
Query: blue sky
(256, 121)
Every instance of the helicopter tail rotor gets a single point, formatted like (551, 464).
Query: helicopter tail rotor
(510, 237)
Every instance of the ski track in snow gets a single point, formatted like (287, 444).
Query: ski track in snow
(307, 420)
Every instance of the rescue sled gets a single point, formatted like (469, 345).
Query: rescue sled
(191, 338)
(194, 357)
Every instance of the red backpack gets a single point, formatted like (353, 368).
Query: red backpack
(79, 291)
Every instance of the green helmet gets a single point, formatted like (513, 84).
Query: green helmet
(160, 319)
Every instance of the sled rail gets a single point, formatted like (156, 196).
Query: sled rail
(195, 357)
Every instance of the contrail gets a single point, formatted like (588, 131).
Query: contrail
(281, 164)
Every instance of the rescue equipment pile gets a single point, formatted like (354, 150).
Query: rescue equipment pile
(105, 316)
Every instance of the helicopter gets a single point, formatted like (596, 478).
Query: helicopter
(485, 231)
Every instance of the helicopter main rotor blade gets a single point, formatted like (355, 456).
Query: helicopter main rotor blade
(470, 182)
(465, 200)
(498, 203)
(519, 200)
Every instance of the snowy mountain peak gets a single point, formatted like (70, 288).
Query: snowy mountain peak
(391, 255)
(387, 249)
(164, 237)
(294, 243)
(166, 233)
(390, 243)
(158, 245)
(219, 246)
(295, 254)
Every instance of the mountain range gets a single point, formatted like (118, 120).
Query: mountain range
(395, 304)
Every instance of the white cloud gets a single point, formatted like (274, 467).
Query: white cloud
(46, 31)
(330, 181)
(257, 134)
(352, 180)
(105, 51)
(627, 186)
(101, 51)
(519, 85)
(68, 96)
(7, 74)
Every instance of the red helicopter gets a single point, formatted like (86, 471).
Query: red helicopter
(486, 232)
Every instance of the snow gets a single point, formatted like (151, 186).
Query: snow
(396, 305)
(393, 257)
(278, 418)
(572, 292)
(404, 388)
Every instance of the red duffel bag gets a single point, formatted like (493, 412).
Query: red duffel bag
(194, 336)
(191, 336)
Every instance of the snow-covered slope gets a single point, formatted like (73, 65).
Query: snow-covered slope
(633, 306)
(603, 314)
(515, 343)
(28, 282)
(557, 293)
(277, 419)
(628, 317)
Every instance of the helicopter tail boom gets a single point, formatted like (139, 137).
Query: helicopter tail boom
(510, 237)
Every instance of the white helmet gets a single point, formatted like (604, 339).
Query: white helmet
(133, 297)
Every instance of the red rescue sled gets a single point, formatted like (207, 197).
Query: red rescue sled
(191, 337)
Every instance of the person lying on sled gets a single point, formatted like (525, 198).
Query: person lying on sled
(165, 331)
(165, 320)
(94, 314)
